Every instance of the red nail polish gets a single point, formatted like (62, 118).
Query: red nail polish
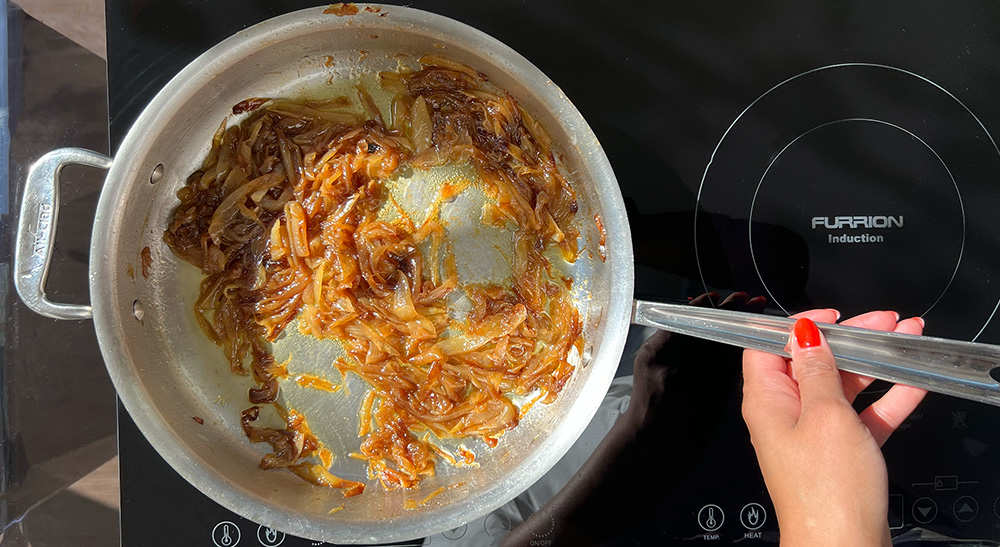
(806, 333)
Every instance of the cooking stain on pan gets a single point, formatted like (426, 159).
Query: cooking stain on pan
(414, 504)
(601, 249)
(341, 9)
(147, 261)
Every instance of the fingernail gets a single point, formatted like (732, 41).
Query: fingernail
(837, 312)
(920, 320)
(806, 333)
(895, 314)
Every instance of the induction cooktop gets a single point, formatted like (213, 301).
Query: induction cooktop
(834, 154)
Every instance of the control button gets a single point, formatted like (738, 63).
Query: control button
(946, 482)
(710, 517)
(895, 511)
(924, 510)
(225, 534)
(496, 524)
(456, 533)
(966, 508)
(269, 537)
(752, 516)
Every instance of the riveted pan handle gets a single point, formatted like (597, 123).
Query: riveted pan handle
(963, 369)
(36, 230)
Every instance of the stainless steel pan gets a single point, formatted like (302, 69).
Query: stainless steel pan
(167, 372)
(165, 369)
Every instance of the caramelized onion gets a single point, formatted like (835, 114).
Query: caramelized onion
(283, 220)
(318, 475)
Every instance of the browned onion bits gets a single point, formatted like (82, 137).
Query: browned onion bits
(282, 219)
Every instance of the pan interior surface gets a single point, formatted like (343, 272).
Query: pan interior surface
(166, 370)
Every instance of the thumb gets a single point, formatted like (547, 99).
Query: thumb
(813, 365)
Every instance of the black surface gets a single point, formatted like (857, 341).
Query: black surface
(660, 84)
(56, 402)
(865, 141)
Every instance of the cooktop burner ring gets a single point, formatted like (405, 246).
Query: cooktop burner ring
(774, 159)
(914, 105)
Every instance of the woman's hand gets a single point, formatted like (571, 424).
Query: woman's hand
(822, 462)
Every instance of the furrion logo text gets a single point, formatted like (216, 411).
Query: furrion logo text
(856, 223)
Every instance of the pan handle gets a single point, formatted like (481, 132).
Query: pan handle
(963, 369)
(36, 230)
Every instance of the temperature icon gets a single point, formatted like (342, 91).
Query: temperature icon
(711, 517)
(226, 534)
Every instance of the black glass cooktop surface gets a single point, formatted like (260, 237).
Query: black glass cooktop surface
(858, 186)
(836, 154)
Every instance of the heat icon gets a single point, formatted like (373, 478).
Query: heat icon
(710, 517)
(226, 539)
(269, 537)
(752, 516)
